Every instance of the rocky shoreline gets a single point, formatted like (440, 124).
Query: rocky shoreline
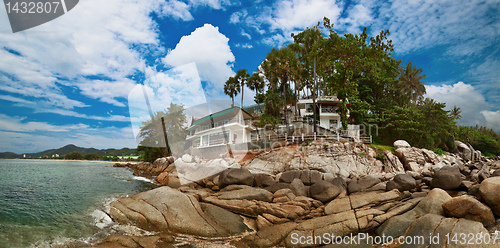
(305, 196)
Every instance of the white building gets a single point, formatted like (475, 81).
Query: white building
(328, 106)
(230, 126)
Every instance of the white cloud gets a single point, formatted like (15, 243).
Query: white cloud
(209, 49)
(176, 10)
(426, 23)
(67, 49)
(287, 16)
(245, 34)
(17, 124)
(475, 109)
(492, 119)
(358, 16)
(245, 45)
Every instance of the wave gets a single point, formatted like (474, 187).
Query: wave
(143, 179)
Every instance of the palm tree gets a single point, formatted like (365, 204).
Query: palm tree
(278, 69)
(455, 113)
(409, 79)
(231, 88)
(242, 78)
(256, 82)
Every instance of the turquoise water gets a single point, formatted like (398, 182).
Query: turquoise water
(42, 201)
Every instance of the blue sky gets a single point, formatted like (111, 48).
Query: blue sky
(68, 81)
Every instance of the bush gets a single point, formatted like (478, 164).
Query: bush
(438, 151)
(380, 157)
(74, 155)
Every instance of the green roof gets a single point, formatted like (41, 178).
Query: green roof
(221, 113)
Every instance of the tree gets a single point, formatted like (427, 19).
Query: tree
(242, 78)
(278, 69)
(76, 155)
(256, 83)
(410, 82)
(231, 88)
(165, 130)
(92, 156)
(455, 113)
(305, 43)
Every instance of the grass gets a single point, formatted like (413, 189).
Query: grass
(382, 148)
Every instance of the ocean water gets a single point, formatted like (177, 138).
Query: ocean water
(45, 201)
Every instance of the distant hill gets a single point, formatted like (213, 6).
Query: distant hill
(71, 148)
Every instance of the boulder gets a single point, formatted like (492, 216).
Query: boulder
(432, 203)
(247, 193)
(187, 158)
(298, 188)
(310, 177)
(267, 237)
(168, 210)
(463, 150)
(263, 180)
(367, 182)
(469, 208)
(412, 158)
(496, 173)
(402, 182)
(447, 178)
(392, 163)
(324, 191)
(277, 186)
(239, 176)
(401, 143)
(353, 187)
(489, 191)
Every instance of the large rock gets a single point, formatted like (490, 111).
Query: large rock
(239, 176)
(263, 180)
(324, 191)
(469, 208)
(402, 182)
(247, 193)
(463, 150)
(447, 178)
(392, 163)
(401, 143)
(412, 158)
(441, 231)
(308, 177)
(432, 203)
(298, 187)
(490, 192)
(367, 182)
(168, 210)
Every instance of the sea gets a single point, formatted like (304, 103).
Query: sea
(46, 202)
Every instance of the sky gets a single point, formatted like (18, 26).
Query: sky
(68, 81)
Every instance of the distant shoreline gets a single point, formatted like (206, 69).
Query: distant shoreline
(76, 160)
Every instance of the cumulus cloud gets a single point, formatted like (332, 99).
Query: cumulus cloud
(209, 49)
(475, 109)
(287, 16)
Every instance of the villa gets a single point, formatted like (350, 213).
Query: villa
(329, 118)
(230, 126)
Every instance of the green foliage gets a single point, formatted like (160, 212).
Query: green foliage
(74, 155)
(153, 131)
(325, 147)
(91, 156)
(481, 138)
(438, 151)
(150, 154)
(380, 157)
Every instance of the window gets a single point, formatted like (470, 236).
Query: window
(309, 108)
(328, 109)
(204, 140)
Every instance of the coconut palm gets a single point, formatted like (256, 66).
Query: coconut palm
(256, 83)
(410, 82)
(455, 113)
(242, 78)
(231, 88)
